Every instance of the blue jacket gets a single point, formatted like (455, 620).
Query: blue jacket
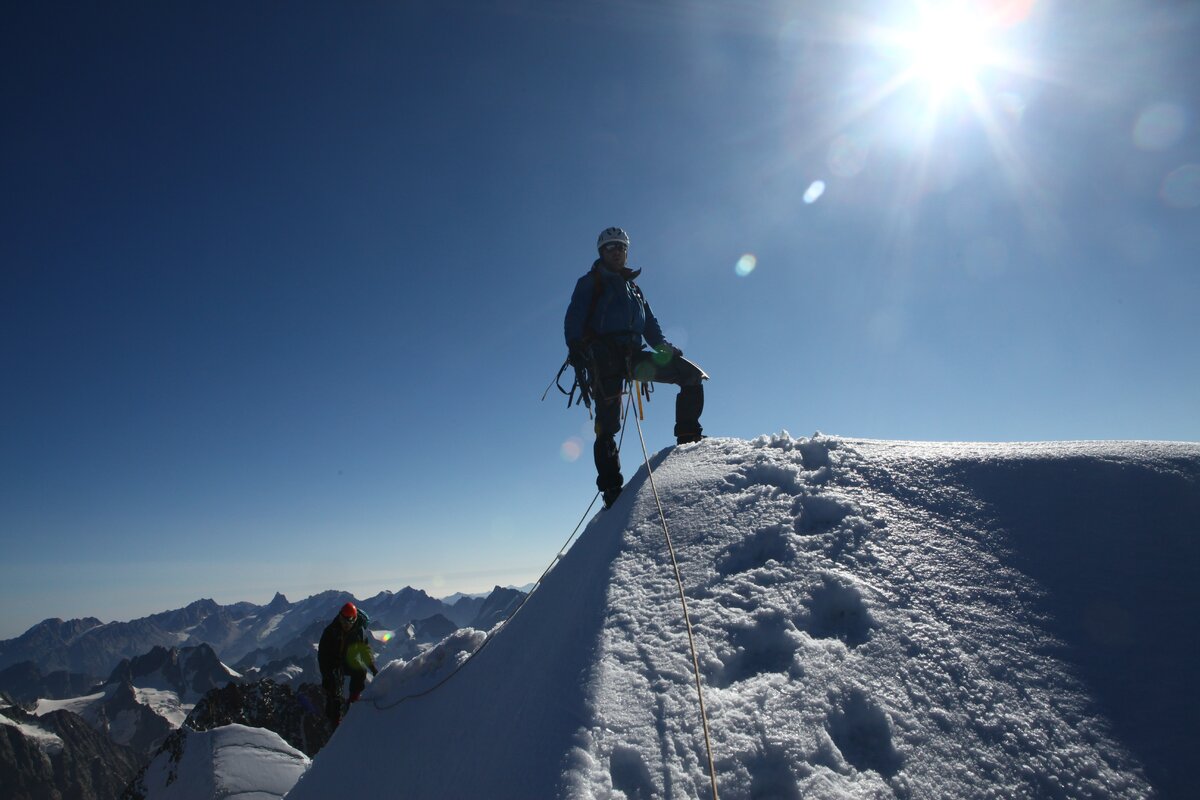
(620, 308)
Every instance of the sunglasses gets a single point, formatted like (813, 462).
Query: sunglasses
(612, 246)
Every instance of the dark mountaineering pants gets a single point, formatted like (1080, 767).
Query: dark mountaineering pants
(611, 363)
(333, 692)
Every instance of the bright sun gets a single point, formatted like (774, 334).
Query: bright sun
(940, 67)
(947, 48)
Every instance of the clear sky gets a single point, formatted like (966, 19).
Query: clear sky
(283, 283)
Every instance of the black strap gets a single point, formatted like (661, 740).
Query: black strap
(583, 381)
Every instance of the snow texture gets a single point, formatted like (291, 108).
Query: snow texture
(83, 706)
(872, 619)
(165, 703)
(234, 761)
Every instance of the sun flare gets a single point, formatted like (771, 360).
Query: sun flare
(936, 73)
(947, 48)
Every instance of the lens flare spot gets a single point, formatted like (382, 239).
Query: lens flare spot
(571, 449)
(358, 657)
(815, 190)
(1181, 189)
(1008, 12)
(1158, 127)
(1012, 104)
(386, 637)
(745, 265)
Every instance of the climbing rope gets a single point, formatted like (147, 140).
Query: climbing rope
(487, 639)
(687, 620)
(626, 412)
(495, 630)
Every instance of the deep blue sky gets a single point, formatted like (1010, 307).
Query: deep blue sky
(283, 282)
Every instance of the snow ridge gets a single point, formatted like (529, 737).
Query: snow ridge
(870, 621)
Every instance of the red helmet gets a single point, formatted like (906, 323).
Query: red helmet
(349, 612)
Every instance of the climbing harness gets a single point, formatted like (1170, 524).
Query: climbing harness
(583, 382)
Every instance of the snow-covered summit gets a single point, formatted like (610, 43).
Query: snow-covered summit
(872, 619)
(234, 761)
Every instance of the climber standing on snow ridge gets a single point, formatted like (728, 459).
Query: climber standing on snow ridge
(344, 650)
(605, 324)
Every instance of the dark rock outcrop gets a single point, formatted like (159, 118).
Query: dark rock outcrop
(190, 672)
(60, 757)
(498, 606)
(297, 715)
(25, 682)
(129, 722)
(432, 630)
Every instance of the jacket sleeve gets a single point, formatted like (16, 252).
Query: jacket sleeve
(328, 659)
(364, 623)
(365, 635)
(576, 319)
(652, 332)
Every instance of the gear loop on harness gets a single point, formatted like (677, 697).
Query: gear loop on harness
(586, 362)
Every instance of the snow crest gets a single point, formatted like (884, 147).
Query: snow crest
(234, 761)
(873, 619)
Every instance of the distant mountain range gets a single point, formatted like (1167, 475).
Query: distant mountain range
(170, 667)
(264, 633)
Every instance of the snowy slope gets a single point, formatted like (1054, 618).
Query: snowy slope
(147, 697)
(87, 706)
(133, 717)
(872, 619)
(234, 761)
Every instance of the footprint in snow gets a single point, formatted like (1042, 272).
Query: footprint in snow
(818, 513)
(863, 734)
(837, 611)
(630, 774)
(768, 644)
(754, 551)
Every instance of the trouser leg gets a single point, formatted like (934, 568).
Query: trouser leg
(684, 374)
(689, 404)
(333, 698)
(608, 425)
(357, 681)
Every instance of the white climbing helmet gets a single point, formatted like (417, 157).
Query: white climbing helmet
(609, 235)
